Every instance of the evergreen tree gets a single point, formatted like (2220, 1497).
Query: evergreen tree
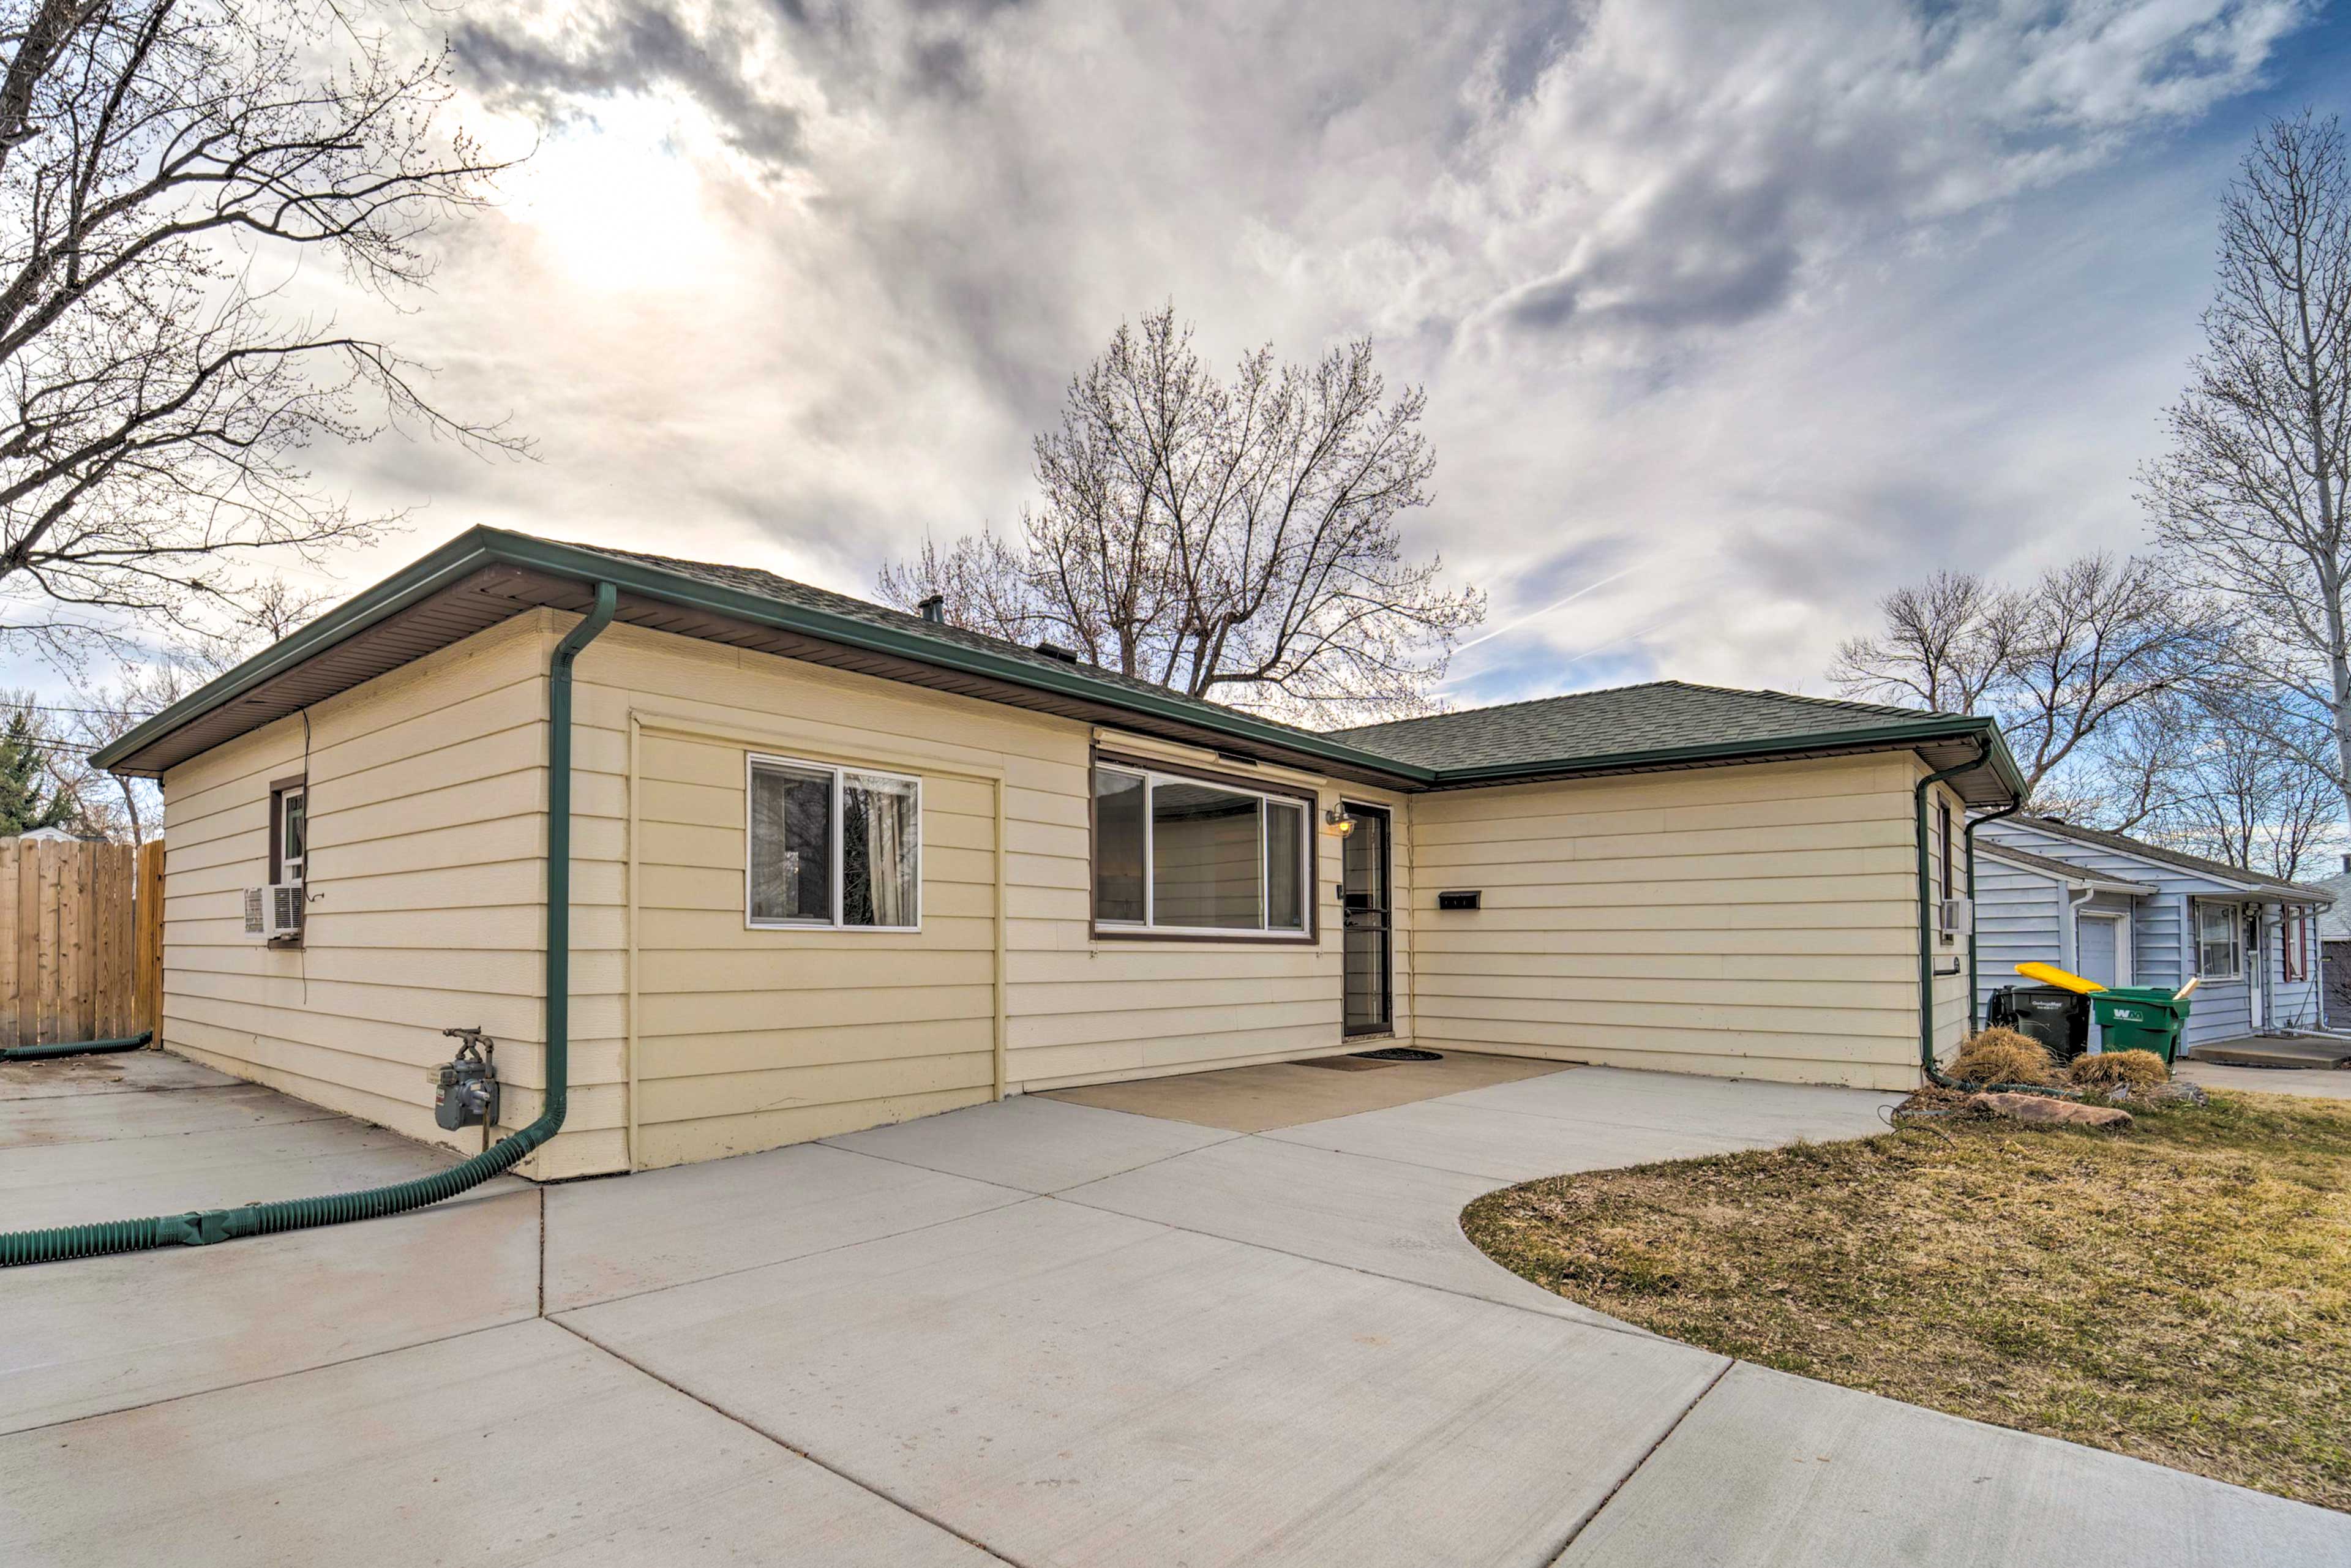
(24, 806)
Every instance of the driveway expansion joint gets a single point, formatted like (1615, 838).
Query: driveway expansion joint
(766, 1435)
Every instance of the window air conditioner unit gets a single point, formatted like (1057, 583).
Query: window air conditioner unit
(1958, 916)
(273, 911)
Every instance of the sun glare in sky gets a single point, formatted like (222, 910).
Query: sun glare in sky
(617, 197)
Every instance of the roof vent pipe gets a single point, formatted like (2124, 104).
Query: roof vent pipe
(935, 609)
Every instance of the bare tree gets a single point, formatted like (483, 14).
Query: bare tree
(111, 697)
(2252, 493)
(981, 583)
(2245, 800)
(2138, 767)
(2054, 661)
(1229, 539)
(1947, 643)
(157, 156)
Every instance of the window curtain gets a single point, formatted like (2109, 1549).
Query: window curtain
(888, 831)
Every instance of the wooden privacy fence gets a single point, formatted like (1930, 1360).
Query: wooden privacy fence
(81, 941)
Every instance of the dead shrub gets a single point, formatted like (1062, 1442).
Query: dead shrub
(2003, 1056)
(2137, 1068)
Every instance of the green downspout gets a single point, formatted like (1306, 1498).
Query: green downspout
(1926, 944)
(1975, 990)
(196, 1230)
(75, 1047)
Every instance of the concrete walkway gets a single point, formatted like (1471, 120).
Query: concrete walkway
(2312, 1082)
(1032, 1332)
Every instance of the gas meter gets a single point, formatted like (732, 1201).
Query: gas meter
(467, 1088)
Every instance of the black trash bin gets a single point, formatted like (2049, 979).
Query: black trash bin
(2057, 1018)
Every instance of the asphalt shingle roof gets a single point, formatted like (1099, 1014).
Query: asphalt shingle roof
(2334, 924)
(1656, 717)
(2220, 870)
(768, 585)
(1666, 723)
(2000, 849)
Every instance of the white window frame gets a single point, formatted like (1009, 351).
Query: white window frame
(837, 771)
(293, 869)
(2235, 914)
(1303, 932)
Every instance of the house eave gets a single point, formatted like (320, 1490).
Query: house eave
(2072, 876)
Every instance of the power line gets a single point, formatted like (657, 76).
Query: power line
(95, 712)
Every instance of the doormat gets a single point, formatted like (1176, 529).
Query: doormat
(1400, 1053)
(1345, 1063)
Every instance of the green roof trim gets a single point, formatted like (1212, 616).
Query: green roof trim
(484, 546)
(1882, 738)
(1725, 727)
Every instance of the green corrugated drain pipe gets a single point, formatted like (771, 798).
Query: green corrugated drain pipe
(211, 1224)
(76, 1047)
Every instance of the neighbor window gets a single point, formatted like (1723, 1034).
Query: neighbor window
(2220, 941)
(1185, 855)
(833, 847)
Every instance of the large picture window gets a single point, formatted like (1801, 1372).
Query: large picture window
(1188, 856)
(836, 847)
(2220, 941)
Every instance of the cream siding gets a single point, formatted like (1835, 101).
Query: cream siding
(426, 883)
(750, 1038)
(1750, 920)
(1756, 921)
(1950, 976)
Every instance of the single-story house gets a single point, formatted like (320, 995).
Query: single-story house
(2126, 913)
(829, 865)
(2335, 950)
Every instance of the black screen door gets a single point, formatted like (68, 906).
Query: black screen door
(1364, 896)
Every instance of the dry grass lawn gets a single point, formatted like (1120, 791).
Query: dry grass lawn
(2180, 1292)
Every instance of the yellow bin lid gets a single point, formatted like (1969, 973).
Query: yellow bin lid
(2051, 974)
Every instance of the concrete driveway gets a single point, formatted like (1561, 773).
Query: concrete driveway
(1033, 1332)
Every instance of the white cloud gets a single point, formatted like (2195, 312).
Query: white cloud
(1764, 307)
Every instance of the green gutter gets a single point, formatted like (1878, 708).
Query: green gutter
(206, 1226)
(1926, 948)
(482, 547)
(451, 563)
(478, 548)
(1982, 730)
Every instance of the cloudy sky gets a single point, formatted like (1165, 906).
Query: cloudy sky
(1730, 316)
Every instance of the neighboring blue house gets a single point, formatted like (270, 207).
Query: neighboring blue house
(2121, 912)
(2334, 948)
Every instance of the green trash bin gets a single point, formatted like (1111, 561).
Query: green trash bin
(2140, 1017)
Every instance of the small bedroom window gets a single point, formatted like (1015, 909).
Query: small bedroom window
(833, 847)
(1943, 850)
(2220, 941)
(290, 832)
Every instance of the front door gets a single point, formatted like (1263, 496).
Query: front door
(2099, 938)
(2257, 969)
(1364, 890)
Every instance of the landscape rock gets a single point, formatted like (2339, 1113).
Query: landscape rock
(2041, 1110)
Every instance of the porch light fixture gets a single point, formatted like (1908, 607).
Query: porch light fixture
(1340, 823)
